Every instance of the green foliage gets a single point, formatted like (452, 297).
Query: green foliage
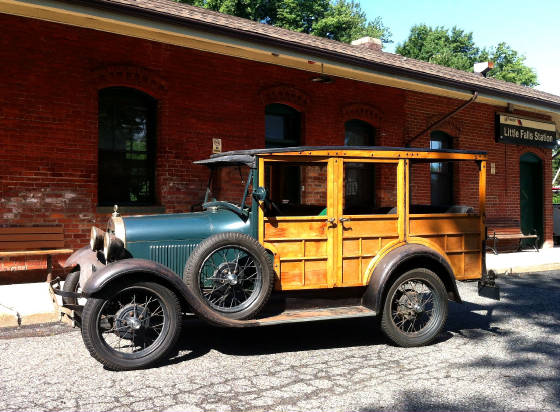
(509, 66)
(555, 167)
(456, 48)
(345, 21)
(342, 20)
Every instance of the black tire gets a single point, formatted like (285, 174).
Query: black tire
(231, 273)
(109, 318)
(71, 284)
(415, 308)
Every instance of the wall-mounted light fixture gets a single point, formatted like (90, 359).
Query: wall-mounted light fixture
(322, 78)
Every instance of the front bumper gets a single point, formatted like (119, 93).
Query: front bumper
(70, 314)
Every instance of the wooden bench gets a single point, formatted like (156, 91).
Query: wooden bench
(498, 233)
(45, 241)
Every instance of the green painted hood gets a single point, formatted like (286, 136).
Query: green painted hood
(183, 226)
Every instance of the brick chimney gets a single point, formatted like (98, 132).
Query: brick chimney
(369, 43)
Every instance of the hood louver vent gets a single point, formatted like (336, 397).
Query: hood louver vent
(173, 256)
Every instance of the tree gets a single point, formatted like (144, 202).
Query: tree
(509, 66)
(342, 20)
(456, 48)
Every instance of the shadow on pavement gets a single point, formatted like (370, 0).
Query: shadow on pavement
(534, 298)
(200, 338)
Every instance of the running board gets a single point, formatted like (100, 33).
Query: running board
(309, 315)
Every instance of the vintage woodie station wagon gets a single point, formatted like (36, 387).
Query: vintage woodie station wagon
(286, 235)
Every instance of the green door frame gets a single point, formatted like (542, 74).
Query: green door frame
(531, 194)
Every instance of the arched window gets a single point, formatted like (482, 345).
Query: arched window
(282, 126)
(441, 173)
(127, 143)
(358, 133)
(359, 178)
(283, 129)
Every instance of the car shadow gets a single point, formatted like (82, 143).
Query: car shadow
(468, 319)
(198, 338)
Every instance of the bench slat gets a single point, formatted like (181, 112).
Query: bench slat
(36, 252)
(31, 229)
(504, 230)
(514, 236)
(51, 244)
(30, 237)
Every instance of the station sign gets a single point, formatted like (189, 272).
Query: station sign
(525, 131)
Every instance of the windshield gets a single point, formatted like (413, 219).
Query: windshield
(228, 184)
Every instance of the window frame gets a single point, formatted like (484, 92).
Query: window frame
(447, 189)
(291, 117)
(119, 98)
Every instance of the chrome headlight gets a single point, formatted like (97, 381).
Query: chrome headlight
(113, 247)
(96, 239)
(115, 226)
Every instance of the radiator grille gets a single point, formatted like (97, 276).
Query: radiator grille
(173, 256)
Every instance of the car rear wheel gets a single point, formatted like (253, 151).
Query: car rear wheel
(231, 274)
(134, 325)
(415, 308)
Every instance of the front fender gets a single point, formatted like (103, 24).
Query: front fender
(399, 257)
(101, 281)
(86, 260)
(79, 257)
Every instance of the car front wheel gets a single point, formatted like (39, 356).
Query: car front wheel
(415, 308)
(133, 326)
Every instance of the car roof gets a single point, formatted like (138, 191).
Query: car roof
(248, 157)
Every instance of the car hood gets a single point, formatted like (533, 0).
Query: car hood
(183, 226)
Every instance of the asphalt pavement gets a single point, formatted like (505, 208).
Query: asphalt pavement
(493, 356)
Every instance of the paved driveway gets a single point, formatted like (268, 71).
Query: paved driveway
(494, 356)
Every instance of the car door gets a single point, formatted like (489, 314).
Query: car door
(299, 223)
(367, 214)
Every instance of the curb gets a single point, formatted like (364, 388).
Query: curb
(519, 270)
(26, 304)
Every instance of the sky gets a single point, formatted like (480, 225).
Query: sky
(532, 28)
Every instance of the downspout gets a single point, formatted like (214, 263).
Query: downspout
(443, 119)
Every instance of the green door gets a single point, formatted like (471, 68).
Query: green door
(531, 195)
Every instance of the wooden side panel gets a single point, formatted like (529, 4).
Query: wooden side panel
(301, 244)
(362, 238)
(459, 236)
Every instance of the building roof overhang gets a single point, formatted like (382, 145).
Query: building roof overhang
(187, 26)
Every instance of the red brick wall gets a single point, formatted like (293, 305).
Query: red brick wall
(473, 128)
(49, 85)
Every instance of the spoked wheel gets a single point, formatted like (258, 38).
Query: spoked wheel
(134, 327)
(231, 274)
(415, 308)
(230, 279)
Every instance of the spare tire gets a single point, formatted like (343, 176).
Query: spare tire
(231, 273)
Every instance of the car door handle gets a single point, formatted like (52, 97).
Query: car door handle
(331, 221)
(344, 219)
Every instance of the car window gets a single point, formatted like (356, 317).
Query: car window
(370, 188)
(228, 184)
(296, 189)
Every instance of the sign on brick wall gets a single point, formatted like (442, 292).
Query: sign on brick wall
(525, 131)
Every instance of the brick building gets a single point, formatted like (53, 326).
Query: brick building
(110, 101)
